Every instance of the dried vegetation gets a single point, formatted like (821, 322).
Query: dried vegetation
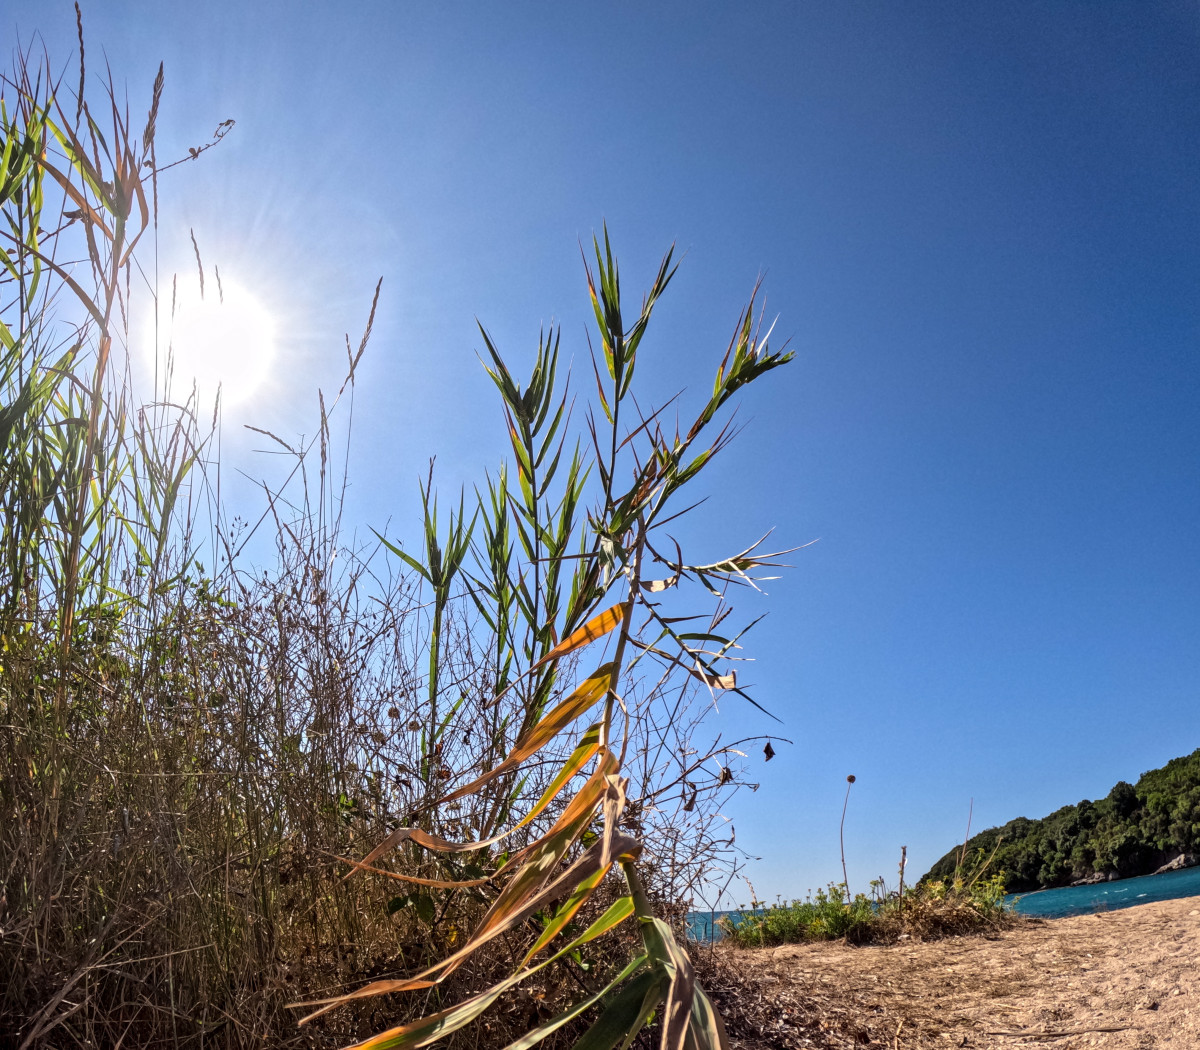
(200, 756)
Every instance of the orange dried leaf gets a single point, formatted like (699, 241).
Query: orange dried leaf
(436, 884)
(578, 703)
(596, 627)
(582, 754)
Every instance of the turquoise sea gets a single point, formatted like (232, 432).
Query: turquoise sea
(1053, 904)
(1125, 893)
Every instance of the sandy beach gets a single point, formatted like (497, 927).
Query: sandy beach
(1119, 980)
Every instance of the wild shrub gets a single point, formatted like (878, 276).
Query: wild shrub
(824, 916)
(969, 903)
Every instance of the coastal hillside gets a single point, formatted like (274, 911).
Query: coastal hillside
(1134, 830)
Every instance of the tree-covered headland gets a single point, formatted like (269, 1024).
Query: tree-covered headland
(1134, 830)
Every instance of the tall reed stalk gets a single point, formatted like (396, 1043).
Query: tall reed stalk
(572, 583)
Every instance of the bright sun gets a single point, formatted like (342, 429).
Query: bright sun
(225, 339)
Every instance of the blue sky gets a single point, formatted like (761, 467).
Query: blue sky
(978, 224)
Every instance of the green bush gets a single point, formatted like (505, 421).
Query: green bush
(939, 908)
(825, 916)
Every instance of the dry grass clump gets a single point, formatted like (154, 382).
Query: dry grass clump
(931, 913)
(171, 842)
(761, 1011)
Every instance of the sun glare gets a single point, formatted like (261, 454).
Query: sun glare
(224, 339)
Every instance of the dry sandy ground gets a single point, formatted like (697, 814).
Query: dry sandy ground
(1119, 980)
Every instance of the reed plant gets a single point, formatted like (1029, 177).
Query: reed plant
(183, 741)
(552, 581)
(227, 785)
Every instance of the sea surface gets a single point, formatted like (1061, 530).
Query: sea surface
(1051, 904)
(1125, 893)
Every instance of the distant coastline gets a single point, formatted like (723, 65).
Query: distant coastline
(1146, 828)
(1083, 898)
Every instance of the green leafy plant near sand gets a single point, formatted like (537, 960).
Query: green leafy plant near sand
(200, 759)
(823, 916)
(970, 902)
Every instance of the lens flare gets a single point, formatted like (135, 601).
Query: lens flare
(222, 339)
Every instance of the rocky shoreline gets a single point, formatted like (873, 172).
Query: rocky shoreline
(1176, 863)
